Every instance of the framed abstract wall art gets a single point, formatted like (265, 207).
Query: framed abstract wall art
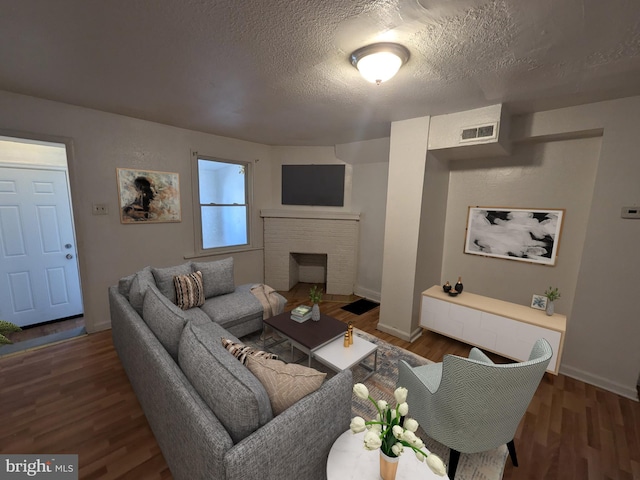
(523, 234)
(146, 196)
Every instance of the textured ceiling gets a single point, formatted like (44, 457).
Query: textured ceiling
(278, 72)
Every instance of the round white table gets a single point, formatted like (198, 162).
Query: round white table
(349, 460)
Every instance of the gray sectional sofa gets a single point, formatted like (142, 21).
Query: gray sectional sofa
(210, 415)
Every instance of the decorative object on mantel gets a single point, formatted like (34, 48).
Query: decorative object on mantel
(539, 302)
(315, 294)
(391, 432)
(527, 235)
(458, 288)
(7, 327)
(552, 294)
(447, 287)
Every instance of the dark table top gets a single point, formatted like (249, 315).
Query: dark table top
(309, 334)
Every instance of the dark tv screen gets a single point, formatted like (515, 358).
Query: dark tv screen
(320, 185)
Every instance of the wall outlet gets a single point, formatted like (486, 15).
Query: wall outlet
(100, 209)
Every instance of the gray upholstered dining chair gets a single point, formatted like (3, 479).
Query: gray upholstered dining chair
(471, 404)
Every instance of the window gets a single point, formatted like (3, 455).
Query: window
(224, 204)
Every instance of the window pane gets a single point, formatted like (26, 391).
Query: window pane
(223, 226)
(221, 183)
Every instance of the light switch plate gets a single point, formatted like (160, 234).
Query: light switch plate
(630, 212)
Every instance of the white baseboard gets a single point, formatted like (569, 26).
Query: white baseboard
(598, 381)
(97, 327)
(367, 293)
(400, 333)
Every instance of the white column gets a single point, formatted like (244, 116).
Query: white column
(407, 160)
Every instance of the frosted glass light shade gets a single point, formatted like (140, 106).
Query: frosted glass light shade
(379, 62)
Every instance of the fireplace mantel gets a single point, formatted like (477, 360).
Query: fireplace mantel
(326, 215)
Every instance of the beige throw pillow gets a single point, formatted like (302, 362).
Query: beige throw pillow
(285, 383)
(189, 290)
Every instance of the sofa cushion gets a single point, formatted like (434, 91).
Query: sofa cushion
(217, 276)
(189, 291)
(139, 285)
(164, 278)
(165, 319)
(234, 308)
(285, 383)
(233, 393)
(124, 285)
(241, 351)
(196, 316)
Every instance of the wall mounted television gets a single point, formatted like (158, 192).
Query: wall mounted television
(318, 185)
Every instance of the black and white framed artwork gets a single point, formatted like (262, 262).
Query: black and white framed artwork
(523, 234)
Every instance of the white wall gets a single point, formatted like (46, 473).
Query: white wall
(597, 267)
(99, 143)
(535, 176)
(370, 161)
(366, 168)
(602, 335)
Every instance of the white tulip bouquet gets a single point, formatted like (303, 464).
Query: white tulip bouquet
(391, 432)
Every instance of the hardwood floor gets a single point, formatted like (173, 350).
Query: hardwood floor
(74, 397)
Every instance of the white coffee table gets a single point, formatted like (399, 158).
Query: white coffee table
(338, 357)
(349, 460)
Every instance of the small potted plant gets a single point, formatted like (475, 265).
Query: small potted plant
(7, 327)
(315, 294)
(552, 294)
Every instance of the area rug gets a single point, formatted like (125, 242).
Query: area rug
(360, 306)
(480, 466)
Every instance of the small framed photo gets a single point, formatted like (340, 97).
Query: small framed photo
(539, 302)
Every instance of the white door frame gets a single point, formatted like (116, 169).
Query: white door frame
(68, 144)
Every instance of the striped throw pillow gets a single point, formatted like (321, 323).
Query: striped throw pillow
(241, 351)
(189, 290)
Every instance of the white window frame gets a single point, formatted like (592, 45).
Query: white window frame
(199, 250)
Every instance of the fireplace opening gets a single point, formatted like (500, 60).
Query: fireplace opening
(307, 268)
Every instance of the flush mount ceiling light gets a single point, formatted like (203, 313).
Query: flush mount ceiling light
(379, 62)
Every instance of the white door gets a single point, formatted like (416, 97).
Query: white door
(39, 278)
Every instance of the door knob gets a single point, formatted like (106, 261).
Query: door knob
(69, 256)
(68, 245)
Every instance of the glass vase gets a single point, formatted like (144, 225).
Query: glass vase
(550, 308)
(388, 466)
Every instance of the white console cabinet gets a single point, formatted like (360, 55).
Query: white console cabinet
(501, 327)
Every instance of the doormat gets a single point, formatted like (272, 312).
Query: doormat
(360, 306)
(42, 341)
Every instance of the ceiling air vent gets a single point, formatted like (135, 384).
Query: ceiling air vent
(480, 133)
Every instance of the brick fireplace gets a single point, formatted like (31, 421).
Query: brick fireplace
(292, 238)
